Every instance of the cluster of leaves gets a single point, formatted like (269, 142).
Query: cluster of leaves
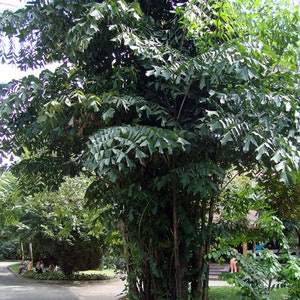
(291, 276)
(159, 105)
(69, 107)
(9, 247)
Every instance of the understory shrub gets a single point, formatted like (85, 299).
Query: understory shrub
(259, 275)
(61, 276)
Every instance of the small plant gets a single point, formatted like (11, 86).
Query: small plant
(291, 277)
(258, 276)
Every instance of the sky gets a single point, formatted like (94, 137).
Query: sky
(11, 4)
(9, 72)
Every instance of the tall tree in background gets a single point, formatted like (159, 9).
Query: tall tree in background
(158, 100)
(58, 227)
(284, 200)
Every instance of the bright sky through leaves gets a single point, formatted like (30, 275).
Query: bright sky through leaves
(9, 72)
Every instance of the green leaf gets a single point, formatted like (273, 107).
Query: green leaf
(249, 140)
(226, 138)
(262, 150)
(108, 115)
(242, 73)
(140, 154)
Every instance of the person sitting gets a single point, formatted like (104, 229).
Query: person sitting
(57, 268)
(23, 266)
(29, 267)
(51, 268)
(38, 267)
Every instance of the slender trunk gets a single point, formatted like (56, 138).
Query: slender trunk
(132, 280)
(22, 250)
(30, 252)
(195, 259)
(207, 248)
(201, 281)
(245, 249)
(132, 284)
(176, 244)
(183, 279)
(199, 290)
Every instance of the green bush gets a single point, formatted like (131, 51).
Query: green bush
(291, 277)
(61, 276)
(79, 252)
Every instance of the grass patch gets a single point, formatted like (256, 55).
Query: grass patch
(231, 293)
(279, 294)
(224, 293)
(15, 267)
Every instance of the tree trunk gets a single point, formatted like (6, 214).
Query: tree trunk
(22, 250)
(30, 252)
(207, 248)
(176, 246)
(200, 286)
(183, 280)
(245, 249)
(197, 287)
(195, 259)
(132, 283)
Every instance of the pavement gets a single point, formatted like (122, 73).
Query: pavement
(218, 283)
(14, 287)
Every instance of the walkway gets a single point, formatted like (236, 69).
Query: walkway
(15, 287)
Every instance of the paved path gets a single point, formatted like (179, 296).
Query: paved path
(12, 287)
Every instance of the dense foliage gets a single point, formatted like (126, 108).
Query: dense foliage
(61, 231)
(158, 100)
